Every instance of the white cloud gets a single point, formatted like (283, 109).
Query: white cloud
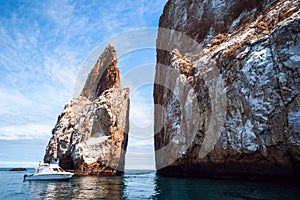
(28, 116)
(140, 154)
(60, 11)
(141, 114)
(11, 99)
(22, 117)
(136, 160)
(28, 131)
(18, 164)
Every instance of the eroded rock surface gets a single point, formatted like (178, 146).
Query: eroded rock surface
(91, 132)
(230, 97)
(104, 75)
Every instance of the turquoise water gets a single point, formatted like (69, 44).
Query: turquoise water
(141, 185)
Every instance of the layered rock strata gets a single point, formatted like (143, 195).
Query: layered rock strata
(229, 94)
(91, 134)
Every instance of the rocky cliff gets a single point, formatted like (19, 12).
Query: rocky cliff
(227, 82)
(90, 135)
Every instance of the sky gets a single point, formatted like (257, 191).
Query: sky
(46, 50)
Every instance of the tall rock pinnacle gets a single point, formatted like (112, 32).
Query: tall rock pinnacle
(104, 75)
(91, 134)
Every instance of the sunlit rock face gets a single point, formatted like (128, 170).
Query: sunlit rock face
(90, 135)
(104, 75)
(228, 95)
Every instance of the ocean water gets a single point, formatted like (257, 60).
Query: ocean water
(138, 184)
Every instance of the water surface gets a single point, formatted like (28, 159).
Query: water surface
(137, 184)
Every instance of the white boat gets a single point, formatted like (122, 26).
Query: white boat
(51, 171)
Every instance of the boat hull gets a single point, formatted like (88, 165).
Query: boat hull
(41, 177)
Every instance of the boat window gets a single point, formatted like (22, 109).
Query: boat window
(56, 169)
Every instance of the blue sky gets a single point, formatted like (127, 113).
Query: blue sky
(44, 46)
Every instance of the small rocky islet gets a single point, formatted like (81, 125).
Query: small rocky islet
(17, 169)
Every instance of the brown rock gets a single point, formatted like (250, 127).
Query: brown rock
(104, 75)
(237, 114)
(91, 134)
(17, 169)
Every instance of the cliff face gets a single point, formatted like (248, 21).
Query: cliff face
(230, 98)
(90, 135)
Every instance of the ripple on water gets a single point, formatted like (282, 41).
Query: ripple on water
(141, 185)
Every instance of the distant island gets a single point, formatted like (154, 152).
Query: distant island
(17, 169)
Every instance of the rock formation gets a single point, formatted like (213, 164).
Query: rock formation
(90, 135)
(227, 82)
